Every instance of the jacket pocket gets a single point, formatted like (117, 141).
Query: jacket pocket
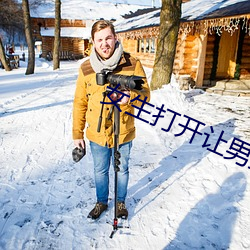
(127, 119)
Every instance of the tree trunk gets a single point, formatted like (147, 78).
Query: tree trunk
(3, 57)
(56, 59)
(28, 33)
(168, 34)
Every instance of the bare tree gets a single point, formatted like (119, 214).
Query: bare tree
(56, 59)
(11, 24)
(36, 3)
(168, 34)
(28, 33)
(11, 16)
(3, 57)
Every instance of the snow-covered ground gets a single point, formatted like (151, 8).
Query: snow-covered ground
(181, 195)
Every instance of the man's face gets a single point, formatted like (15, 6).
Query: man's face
(104, 42)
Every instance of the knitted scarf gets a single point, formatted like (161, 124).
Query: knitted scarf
(98, 64)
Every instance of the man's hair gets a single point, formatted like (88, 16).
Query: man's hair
(101, 24)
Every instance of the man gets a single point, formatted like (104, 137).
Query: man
(107, 54)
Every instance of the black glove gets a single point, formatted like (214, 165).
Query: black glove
(78, 153)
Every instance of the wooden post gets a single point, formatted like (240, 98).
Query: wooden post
(201, 60)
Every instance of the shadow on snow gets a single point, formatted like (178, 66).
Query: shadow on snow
(209, 225)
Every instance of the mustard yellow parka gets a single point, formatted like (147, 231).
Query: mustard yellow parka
(87, 104)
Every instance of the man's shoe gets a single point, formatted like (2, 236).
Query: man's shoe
(122, 211)
(97, 210)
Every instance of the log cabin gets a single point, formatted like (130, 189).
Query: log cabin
(74, 37)
(213, 41)
(77, 19)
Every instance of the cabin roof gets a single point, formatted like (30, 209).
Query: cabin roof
(77, 32)
(85, 10)
(208, 9)
(140, 21)
(193, 10)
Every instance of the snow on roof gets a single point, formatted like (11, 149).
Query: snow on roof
(145, 20)
(79, 32)
(198, 9)
(192, 10)
(85, 10)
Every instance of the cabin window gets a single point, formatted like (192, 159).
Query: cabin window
(152, 45)
(146, 45)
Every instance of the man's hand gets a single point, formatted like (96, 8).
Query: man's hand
(79, 143)
(125, 98)
(78, 152)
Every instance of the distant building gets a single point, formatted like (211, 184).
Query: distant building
(75, 36)
(77, 19)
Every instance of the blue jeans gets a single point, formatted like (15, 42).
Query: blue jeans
(102, 157)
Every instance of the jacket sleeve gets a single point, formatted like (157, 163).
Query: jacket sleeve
(80, 105)
(145, 91)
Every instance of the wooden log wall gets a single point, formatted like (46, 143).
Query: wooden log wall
(146, 59)
(47, 45)
(73, 45)
(178, 61)
(186, 55)
(185, 59)
(131, 46)
(66, 44)
(190, 56)
(79, 46)
(50, 22)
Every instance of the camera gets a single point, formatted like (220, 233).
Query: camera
(126, 82)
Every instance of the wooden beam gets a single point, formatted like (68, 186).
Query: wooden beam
(201, 60)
